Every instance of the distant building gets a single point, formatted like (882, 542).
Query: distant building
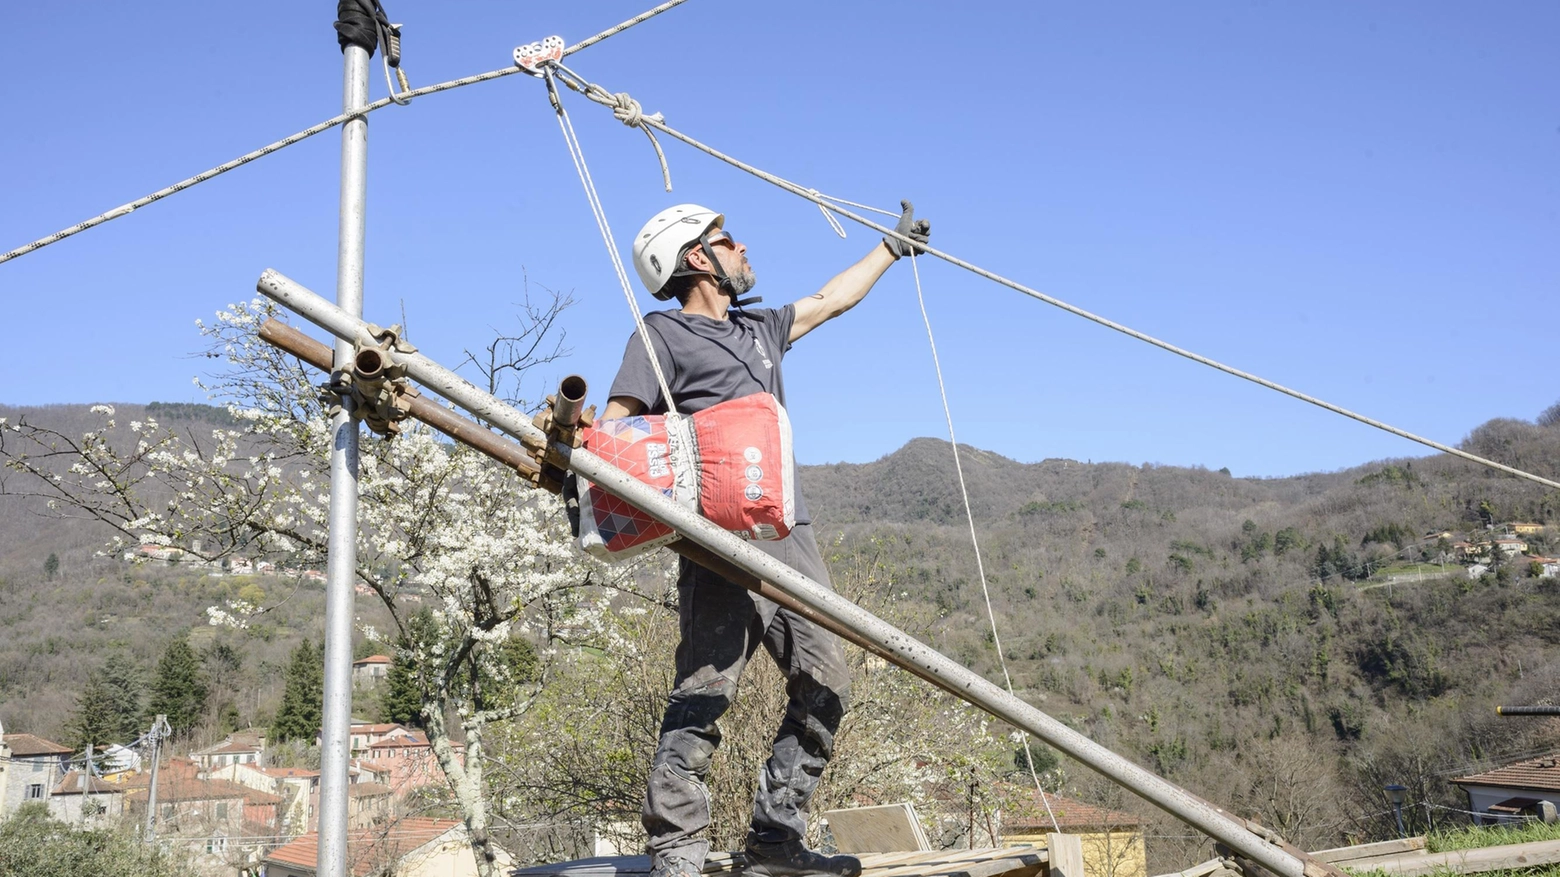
(407, 848)
(372, 669)
(1510, 546)
(30, 768)
(1112, 841)
(1512, 792)
(86, 800)
(242, 747)
(1549, 565)
(1525, 529)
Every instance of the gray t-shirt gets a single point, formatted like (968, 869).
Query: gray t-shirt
(709, 361)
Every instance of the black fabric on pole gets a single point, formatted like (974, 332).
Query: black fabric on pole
(355, 26)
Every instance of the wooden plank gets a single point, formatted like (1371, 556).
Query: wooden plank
(938, 862)
(1369, 851)
(887, 828)
(1200, 870)
(996, 867)
(1066, 855)
(600, 866)
(1528, 855)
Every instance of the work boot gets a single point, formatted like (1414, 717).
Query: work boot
(792, 859)
(672, 866)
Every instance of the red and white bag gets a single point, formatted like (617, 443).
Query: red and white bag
(657, 450)
(732, 462)
(747, 475)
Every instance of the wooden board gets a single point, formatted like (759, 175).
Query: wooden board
(1370, 851)
(1021, 861)
(1528, 855)
(889, 828)
(1065, 855)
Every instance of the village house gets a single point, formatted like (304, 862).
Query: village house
(80, 799)
(297, 788)
(413, 847)
(1512, 792)
(1549, 565)
(30, 768)
(1510, 545)
(242, 747)
(407, 763)
(1525, 529)
(1112, 841)
(225, 823)
(371, 670)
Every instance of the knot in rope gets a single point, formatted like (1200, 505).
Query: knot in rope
(628, 111)
(624, 108)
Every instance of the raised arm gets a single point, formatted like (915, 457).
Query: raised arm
(847, 288)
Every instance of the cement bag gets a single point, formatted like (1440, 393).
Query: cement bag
(655, 449)
(747, 475)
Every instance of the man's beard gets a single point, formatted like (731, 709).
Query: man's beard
(739, 283)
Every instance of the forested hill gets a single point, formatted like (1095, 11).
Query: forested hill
(1204, 625)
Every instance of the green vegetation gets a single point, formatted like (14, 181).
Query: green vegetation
(190, 411)
(34, 845)
(179, 688)
(298, 718)
(1491, 836)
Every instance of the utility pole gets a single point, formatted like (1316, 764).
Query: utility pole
(159, 731)
(341, 556)
(85, 784)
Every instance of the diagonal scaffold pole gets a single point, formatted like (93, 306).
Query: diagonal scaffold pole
(839, 615)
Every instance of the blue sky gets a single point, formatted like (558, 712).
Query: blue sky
(1357, 200)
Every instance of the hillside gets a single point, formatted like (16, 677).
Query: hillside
(1211, 627)
(1223, 631)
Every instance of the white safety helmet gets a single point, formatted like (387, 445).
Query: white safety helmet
(663, 239)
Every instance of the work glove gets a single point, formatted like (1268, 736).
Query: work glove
(917, 230)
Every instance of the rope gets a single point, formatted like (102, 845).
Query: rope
(313, 130)
(811, 195)
(969, 515)
(578, 156)
(624, 108)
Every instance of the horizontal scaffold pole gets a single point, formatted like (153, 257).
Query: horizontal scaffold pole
(840, 615)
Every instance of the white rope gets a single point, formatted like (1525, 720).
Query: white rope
(403, 97)
(969, 515)
(578, 156)
(835, 223)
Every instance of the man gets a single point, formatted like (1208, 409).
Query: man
(713, 350)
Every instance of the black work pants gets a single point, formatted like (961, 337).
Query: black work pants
(722, 625)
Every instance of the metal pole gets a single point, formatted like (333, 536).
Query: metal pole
(341, 557)
(903, 649)
(159, 730)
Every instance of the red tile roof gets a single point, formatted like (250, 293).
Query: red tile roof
(1073, 816)
(1542, 773)
(369, 850)
(401, 741)
(180, 789)
(29, 746)
(71, 785)
(287, 773)
(373, 659)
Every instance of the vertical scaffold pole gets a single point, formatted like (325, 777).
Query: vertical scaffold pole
(341, 560)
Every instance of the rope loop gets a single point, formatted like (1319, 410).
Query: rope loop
(624, 108)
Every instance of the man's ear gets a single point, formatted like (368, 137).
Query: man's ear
(699, 261)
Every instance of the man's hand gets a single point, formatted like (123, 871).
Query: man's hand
(917, 230)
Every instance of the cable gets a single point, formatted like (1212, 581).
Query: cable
(578, 156)
(969, 515)
(812, 196)
(306, 133)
